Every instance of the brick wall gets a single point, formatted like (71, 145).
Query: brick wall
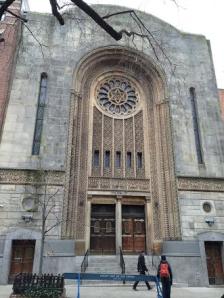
(9, 28)
(221, 97)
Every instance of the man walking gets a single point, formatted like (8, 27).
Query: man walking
(165, 274)
(141, 269)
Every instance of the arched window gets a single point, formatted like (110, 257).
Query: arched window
(40, 114)
(196, 125)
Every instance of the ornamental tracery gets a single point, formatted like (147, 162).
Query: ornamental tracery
(117, 96)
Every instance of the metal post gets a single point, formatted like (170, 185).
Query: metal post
(78, 281)
(158, 288)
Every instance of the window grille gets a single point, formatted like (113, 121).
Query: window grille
(196, 125)
(40, 114)
(118, 159)
(129, 160)
(107, 159)
(96, 158)
(139, 160)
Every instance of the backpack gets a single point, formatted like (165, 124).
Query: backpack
(164, 270)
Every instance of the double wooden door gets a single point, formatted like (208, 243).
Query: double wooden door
(214, 262)
(22, 257)
(102, 239)
(133, 235)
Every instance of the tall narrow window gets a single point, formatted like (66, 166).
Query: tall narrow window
(107, 159)
(128, 159)
(118, 159)
(40, 114)
(96, 158)
(196, 125)
(139, 160)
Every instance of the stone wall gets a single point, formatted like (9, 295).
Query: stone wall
(20, 208)
(194, 219)
(66, 45)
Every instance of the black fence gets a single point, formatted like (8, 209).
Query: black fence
(26, 282)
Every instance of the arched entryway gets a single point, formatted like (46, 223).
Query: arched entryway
(120, 92)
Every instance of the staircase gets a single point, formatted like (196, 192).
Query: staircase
(111, 264)
(103, 264)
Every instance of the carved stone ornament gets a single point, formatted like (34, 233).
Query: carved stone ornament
(29, 177)
(30, 203)
(117, 96)
(200, 184)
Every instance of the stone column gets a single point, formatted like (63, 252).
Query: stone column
(88, 222)
(148, 224)
(118, 225)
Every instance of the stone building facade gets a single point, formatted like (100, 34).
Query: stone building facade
(123, 139)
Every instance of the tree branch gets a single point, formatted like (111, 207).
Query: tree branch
(5, 6)
(17, 16)
(55, 12)
(97, 18)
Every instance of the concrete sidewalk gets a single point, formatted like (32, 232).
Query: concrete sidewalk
(127, 292)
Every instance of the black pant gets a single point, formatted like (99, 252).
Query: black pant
(166, 287)
(136, 283)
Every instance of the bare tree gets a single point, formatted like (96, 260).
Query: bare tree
(49, 206)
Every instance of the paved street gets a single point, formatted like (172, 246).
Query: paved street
(126, 292)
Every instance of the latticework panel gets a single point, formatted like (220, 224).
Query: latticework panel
(118, 147)
(139, 146)
(129, 147)
(97, 142)
(107, 146)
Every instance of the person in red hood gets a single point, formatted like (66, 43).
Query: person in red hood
(164, 272)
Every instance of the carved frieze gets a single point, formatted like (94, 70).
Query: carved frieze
(200, 184)
(97, 183)
(13, 176)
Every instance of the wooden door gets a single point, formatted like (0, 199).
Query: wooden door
(214, 262)
(133, 235)
(102, 239)
(22, 257)
(133, 228)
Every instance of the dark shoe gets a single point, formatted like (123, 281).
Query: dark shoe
(134, 289)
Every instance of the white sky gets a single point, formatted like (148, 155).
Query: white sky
(194, 16)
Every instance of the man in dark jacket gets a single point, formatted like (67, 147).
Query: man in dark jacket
(165, 274)
(141, 269)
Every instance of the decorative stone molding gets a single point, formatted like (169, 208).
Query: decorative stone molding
(118, 184)
(30, 177)
(117, 96)
(200, 184)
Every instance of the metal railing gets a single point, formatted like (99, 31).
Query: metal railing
(85, 263)
(25, 283)
(122, 263)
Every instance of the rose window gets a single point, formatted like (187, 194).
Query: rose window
(117, 96)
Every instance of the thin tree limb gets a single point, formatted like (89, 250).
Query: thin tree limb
(17, 16)
(40, 44)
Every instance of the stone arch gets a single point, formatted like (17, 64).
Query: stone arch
(165, 213)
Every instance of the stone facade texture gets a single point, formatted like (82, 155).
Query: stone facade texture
(171, 183)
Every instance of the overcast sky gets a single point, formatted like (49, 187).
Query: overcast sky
(194, 16)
